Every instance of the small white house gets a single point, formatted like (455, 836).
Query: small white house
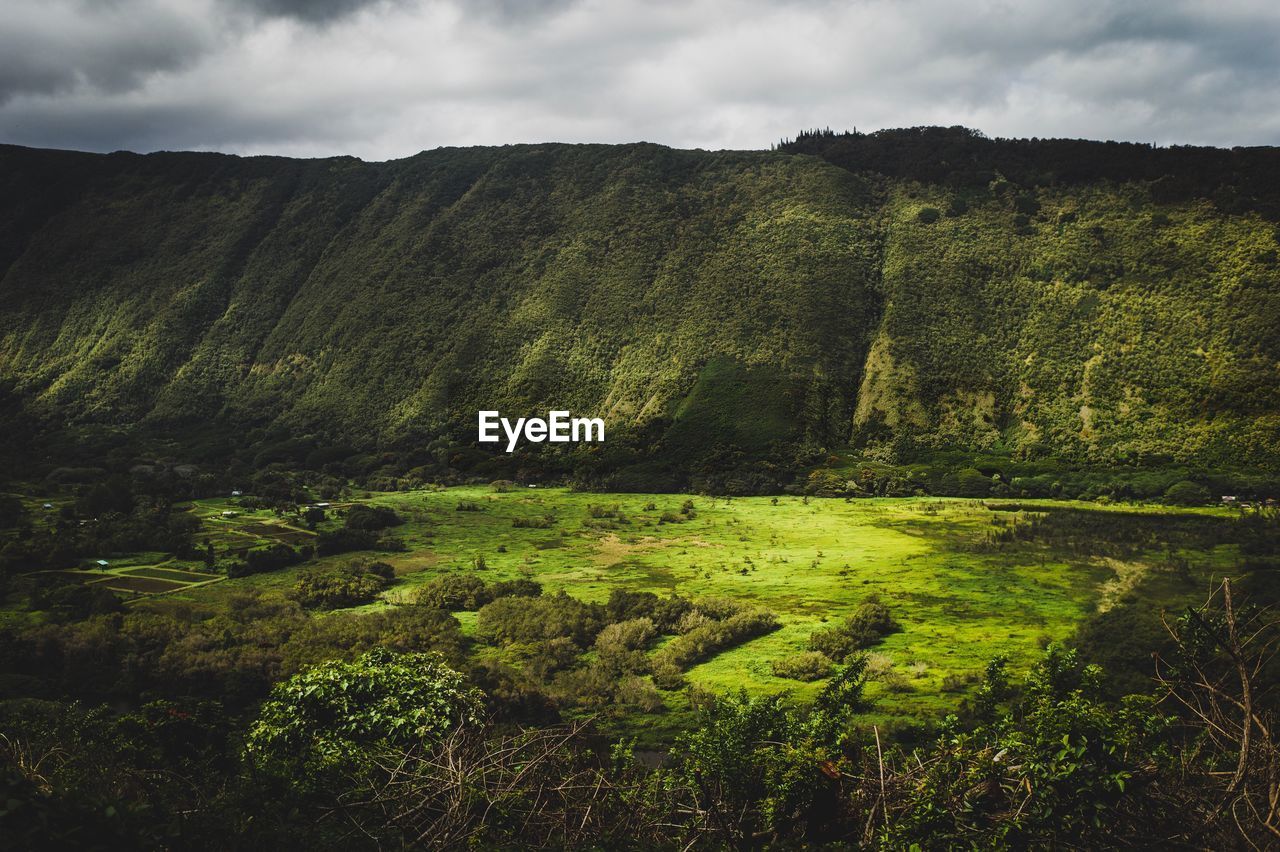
(235, 493)
(48, 505)
(322, 505)
(1228, 498)
(102, 563)
(229, 514)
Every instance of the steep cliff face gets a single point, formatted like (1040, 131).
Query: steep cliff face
(1096, 324)
(702, 303)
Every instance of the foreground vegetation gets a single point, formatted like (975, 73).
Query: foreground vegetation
(394, 749)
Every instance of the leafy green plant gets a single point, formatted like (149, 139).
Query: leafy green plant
(335, 717)
(350, 585)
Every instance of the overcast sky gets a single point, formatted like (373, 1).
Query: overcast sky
(387, 78)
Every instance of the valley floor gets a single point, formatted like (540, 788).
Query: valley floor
(966, 580)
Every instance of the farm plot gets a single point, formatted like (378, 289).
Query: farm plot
(143, 585)
(170, 574)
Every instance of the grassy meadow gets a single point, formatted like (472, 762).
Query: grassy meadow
(960, 594)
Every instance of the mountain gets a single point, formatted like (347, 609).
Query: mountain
(904, 293)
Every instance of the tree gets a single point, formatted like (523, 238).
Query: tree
(1186, 493)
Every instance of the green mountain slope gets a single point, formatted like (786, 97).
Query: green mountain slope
(714, 308)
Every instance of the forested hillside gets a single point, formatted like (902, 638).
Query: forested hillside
(739, 311)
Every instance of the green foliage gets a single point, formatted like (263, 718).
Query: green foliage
(867, 626)
(362, 517)
(766, 762)
(1187, 493)
(467, 592)
(352, 585)
(454, 592)
(519, 588)
(336, 716)
(732, 312)
(345, 540)
(665, 613)
(272, 558)
(522, 619)
(805, 666)
(1060, 767)
(722, 623)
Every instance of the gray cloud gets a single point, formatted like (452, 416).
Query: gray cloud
(51, 47)
(313, 11)
(386, 78)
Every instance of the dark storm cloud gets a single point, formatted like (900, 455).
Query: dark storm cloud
(383, 78)
(314, 11)
(51, 47)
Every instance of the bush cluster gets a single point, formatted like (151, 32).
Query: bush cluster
(805, 666)
(352, 585)
(467, 592)
(867, 626)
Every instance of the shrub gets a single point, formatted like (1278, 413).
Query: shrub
(692, 620)
(345, 540)
(666, 674)
(350, 585)
(806, 666)
(336, 716)
(1073, 768)
(624, 604)
(668, 611)
(362, 517)
(928, 215)
(537, 522)
(767, 761)
(638, 694)
(454, 592)
(390, 544)
(633, 635)
(703, 642)
(867, 626)
(468, 506)
(543, 659)
(520, 588)
(958, 682)
(664, 612)
(273, 558)
(509, 620)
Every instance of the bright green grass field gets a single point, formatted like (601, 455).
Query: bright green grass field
(811, 562)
